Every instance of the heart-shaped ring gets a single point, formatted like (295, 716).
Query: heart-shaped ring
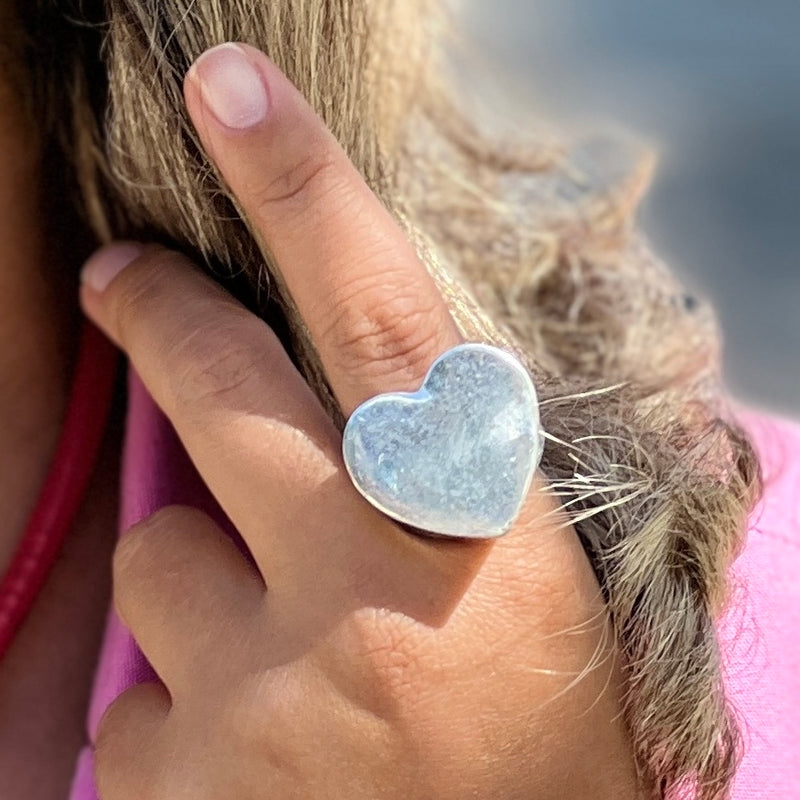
(457, 457)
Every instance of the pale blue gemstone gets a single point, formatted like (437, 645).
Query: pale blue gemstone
(457, 457)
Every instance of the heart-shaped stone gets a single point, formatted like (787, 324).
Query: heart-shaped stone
(457, 457)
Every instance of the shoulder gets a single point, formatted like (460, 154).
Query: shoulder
(760, 633)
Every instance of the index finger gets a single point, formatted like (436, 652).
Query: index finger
(373, 311)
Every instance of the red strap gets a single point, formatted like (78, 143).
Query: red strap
(66, 482)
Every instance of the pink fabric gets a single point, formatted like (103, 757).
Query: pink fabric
(760, 634)
(156, 472)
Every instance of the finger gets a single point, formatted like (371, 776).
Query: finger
(251, 425)
(255, 431)
(187, 594)
(373, 311)
(128, 743)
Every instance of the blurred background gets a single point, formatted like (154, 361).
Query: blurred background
(715, 85)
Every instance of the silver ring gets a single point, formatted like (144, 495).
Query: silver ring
(457, 457)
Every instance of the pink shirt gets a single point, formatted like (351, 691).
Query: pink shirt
(760, 634)
(761, 631)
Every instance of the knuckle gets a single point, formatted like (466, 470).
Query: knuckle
(375, 332)
(125, 744)
(143, 548)
(244, 711)
(111, 727)
(391, 656)
(217, 363)
(302, 183)
(211, 350)
(258, 710)
(104, 738)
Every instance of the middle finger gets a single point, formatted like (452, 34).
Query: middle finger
(374, 313)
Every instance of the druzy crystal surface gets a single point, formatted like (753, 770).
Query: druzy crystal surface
(457, 457)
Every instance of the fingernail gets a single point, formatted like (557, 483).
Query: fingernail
(108, 262)
(231, 86)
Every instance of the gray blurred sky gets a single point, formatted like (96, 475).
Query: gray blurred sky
(716, 85)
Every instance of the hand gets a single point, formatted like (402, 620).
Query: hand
(351, 659)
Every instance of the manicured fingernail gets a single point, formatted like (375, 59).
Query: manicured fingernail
(108, 262)
(231, 86)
